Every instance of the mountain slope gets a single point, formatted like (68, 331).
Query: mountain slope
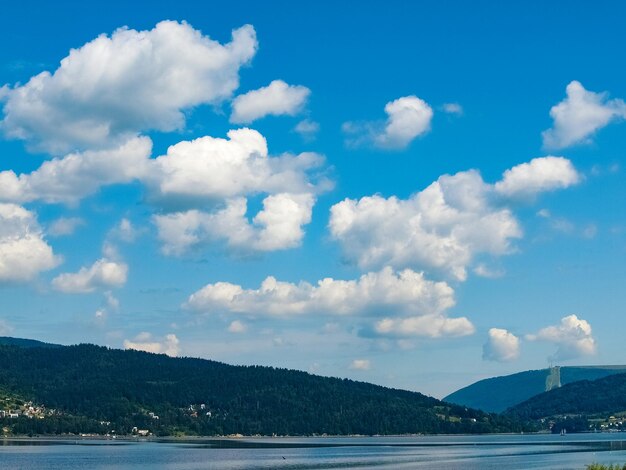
(25, 343)
(196, 396)
(497, 394)
(602, 396)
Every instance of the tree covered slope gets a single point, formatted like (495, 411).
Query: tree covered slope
(194, 396)
(602, 396)
(497, 394)
(25, 343)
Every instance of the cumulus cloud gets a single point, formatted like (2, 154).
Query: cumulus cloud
(417, 304)
(225, 172)
(441, 228)
(539, 175)
(114, 87)
(213, 168)
(361, 364)
(407, 118)
(446, 226)
(145, 342)
(277, 99)
(572, 336)
(64, 226)
(580, 115)
(70, 178)
(191, 173)
(218, 171)
(432, 326)
(501, 346)
(104, 273)
(24, 252)
(278, 226)
(406, 291)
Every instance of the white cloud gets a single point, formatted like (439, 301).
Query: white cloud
(502, 346)
(109, 250)
(277, 226)
(75, 176)
(111, 302)
(237, 326)
(103, 273)
(206, 170)
(307, 128)
(408, 118)
(214, 169)
(572, 336)
(191, 173)
(432, 326)
(441, 228)
(24, 252)
(361, 364)
(453, 108)
(446, 226)
(145, 342)
(225, 172)
(539, 175)
(100, 316)
(580, 115)
(281, 221)
(277, 99)
(405, 292)
(125, 231)
(114, 87)
(64, 226)
(418, 305)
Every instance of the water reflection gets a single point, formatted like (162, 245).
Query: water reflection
(420, 452)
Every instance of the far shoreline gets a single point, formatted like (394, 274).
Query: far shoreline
(289, 441)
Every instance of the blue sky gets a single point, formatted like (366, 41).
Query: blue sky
(414, 194)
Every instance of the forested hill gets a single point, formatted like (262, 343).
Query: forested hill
(602, 396)
(499, 393)
(25, 343)
(125, 389)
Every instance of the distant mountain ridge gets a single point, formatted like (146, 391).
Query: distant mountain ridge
(25, 343)
(585, 397)
(97, 389)
(497, 394)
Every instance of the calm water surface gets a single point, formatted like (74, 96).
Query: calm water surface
(440, 452)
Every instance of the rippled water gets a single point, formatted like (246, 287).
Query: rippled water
(441, 452)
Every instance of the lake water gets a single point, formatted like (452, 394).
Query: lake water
(440, 452)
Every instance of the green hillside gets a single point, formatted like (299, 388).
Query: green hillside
(602, 396)
(497, 394)
(100, 389)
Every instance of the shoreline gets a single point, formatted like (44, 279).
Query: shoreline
(240, 437)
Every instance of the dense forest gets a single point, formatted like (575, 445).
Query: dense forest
(96, 389)
(606, 395)
(579, 406)
(496, 394)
